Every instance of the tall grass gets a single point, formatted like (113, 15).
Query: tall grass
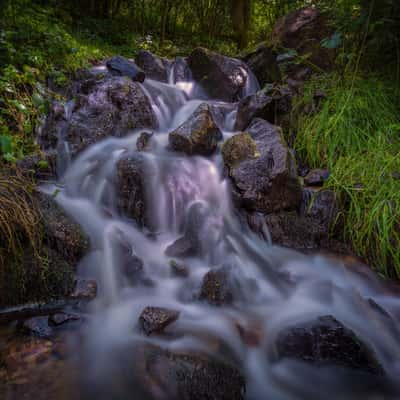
(355, 133)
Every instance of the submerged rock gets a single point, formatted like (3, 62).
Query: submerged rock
(263, 64)
(143, 141)
(198, 135)
(170, 376)
(184, 246)
(121, 66)
(37, 326)
(326, 341)
(216, 288)
(179, 269)
(266, 182)
(222, 77)
(155, 67)
(156, 319)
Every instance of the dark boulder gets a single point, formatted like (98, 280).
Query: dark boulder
(155, 67)
(113, 106)
(271, 104)
(198, 135)
(303, 30)
(185, 246)
(171, 376)
(263, 64)
(223, 78)
(156, 319)
(259, 105)
(266, 182)
(316, 177)
(309, 228)
(130, 188)
(143, 142)
(61, 233)
(326, 341)
(216, 288)
(119, 65)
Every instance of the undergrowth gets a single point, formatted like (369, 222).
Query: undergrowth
(355, 133)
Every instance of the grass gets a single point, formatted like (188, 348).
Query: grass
(355, 133)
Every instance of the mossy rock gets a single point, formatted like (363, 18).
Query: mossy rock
(239, 148)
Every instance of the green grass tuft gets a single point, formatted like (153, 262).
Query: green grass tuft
(355, 133)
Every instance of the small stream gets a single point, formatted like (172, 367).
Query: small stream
(273, 287)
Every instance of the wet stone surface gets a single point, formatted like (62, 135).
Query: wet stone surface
(156, 319)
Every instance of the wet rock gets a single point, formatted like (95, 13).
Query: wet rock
(303, 30)
(239, 148)
(119, 65)
(172, 376)
(185, 246)
(143, 141)
(316, 177)
(263, 64)
(37, 326)
(155, 67)
(259, 105)
(62, 234)
(181, 70)
(113, 106)
(130, 188)
(311, 228)
(198, 135)
(62, 318)
(85, 289)
(179, 269)
(156, 319)
(222, 77)
(216, 288)
(326, 341)
(268, 182)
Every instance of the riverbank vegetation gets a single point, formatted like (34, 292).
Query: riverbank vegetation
(354, 132)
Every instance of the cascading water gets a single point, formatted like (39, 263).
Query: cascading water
(273, 287)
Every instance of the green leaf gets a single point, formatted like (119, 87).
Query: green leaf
(333, 42)
(6, 144)
(9, 157)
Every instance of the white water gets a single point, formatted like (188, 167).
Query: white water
(274, 287)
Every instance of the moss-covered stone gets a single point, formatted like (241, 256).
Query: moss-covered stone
(239, 148)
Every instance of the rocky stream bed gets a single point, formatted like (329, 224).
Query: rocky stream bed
(173, 207)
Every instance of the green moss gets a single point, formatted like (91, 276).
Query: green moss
(238, 148)
(355, 134)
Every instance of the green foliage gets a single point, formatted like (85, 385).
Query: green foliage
(355, 134)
